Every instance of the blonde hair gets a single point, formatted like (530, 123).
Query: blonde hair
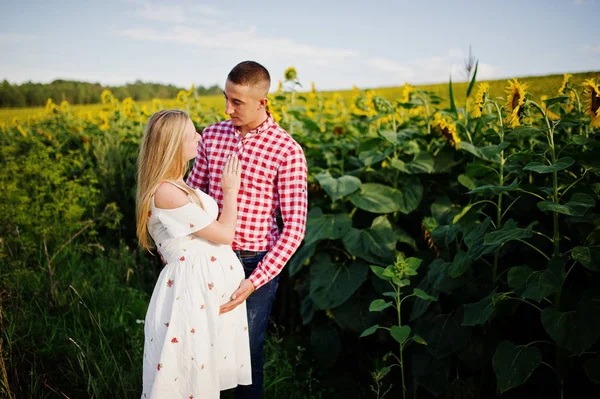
(161, 158)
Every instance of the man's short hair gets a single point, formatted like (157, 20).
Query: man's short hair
(250, 73)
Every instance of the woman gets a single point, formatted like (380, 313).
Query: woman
(190, 351)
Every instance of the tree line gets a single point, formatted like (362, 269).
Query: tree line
(30, 94)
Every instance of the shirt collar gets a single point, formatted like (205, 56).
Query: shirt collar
(263, 127)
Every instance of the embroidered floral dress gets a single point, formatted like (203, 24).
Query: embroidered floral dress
(190, 351)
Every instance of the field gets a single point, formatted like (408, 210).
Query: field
(452, 246)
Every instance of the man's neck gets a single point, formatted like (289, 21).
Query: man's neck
(253, 125)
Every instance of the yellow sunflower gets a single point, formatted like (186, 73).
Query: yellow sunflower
(592, 94)
(515, 102)
(447, 129)
(563, 87)
(290, 73)
(482, 92)
(406, 92)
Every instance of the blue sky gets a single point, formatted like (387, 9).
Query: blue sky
(336, 44)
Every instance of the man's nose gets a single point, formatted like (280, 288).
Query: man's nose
(228, 108)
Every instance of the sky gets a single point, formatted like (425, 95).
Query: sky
(335, 44)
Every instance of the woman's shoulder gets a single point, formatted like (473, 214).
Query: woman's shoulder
(169, 196)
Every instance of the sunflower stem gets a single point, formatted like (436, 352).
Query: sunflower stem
(500, 184)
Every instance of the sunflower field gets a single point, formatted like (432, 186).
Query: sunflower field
(452, 246)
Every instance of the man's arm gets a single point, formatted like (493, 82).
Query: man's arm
(198, 177)
(291, 187)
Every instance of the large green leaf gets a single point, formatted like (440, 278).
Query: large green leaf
(421, 163)
(376, 244)
(445, 334)
(325, 227)
(377, 198)
(514, 364)
(472, 82)
(340, 187)
(411, 194)
(560, 164)
(404, 237)
(331, 284)
(400, 334)
(451, 95)
(354, 314)
(479, 313)
(461, 263)
(299, 258)
(496, 189)
(508, 232)
(443, 210)
(592, 369)
(533, 284)
(576, 330)
(577, 206)
(589, 257)
(438, 276)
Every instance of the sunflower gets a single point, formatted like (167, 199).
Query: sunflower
(428, 225)
(563, 87)
(515, 102)
(482, 92)
(290, 74)
(592, 93)
(106, 97)
(406, 92)
(447, 130)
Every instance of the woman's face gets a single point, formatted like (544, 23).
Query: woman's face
(190, 141)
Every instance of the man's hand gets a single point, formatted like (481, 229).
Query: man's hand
(246, 288)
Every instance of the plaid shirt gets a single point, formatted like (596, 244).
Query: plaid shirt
(273, 181)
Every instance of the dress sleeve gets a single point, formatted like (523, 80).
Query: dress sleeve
(185, 220)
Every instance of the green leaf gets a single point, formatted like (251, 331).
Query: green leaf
(376, 244)
(353, 315)
(411, 194)
(371, 157)
(421, 163)
(530, 284)
(556, 100)
(325, 227)
(331, 284)
(413, 263)
(592, 369)
(369, 331)
(577, 206)
(340, 187)
(467, 181)
(523, 132)
(560, 164)
(404, 237)
(423, 295)
(496, 189)
(508, 232)
(377, 198)
(400, 334)
(461, 263)
(451, 94)
(419, 340)
(514, 364)
(379, 305)
(380, 272)
(389, 135)
(589, 257)
(479, 313)
(576, 330)
(445, 334)
(472, 83)
(300, 258)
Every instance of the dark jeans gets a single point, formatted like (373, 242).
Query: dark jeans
(258, 306)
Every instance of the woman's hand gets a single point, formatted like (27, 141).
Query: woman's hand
(230, 179)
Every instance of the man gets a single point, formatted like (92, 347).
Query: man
(273, 182)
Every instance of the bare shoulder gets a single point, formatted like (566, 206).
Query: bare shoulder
(167, 196)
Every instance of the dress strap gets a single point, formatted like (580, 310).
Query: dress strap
(178, 186)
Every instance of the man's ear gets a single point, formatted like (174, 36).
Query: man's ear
(263, 103)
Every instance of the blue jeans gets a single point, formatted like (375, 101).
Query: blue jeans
(258, 306)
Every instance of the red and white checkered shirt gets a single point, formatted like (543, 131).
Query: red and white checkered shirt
(273, 181)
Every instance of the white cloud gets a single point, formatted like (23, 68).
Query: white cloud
(592, 49)
(162, 13)
(249, 41)
(428, 70)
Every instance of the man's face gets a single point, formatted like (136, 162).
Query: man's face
(243, 104)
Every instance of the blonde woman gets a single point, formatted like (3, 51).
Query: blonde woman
(190, 349)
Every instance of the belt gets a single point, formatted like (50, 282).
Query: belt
(247, 254)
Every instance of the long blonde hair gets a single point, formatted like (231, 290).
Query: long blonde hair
(161, 158)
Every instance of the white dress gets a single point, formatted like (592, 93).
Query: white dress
(190, 351)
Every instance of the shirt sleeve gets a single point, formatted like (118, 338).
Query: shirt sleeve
(291, 188)
(183, 221)
(198, 177)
